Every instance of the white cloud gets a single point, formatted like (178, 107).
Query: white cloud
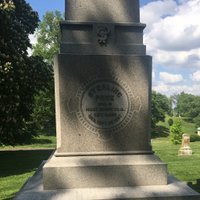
(176, 89)
(33, 40)
(170, 78)
(153, 75)
(154, 11)
(173, 32)
(196, 76)
(172, 38)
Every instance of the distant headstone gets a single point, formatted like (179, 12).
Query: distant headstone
(198, 131)
(185, 146)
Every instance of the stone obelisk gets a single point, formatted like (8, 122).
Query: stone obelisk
(103, 92)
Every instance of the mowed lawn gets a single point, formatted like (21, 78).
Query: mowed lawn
(17, 166)
(185, 168)
(18, 163)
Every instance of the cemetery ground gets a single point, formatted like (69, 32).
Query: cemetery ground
(20, 162)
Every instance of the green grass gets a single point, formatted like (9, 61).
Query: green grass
(39, 142)
(185, 168)
(18, 163)
(16, 167)
(10, 185)
(188, 127)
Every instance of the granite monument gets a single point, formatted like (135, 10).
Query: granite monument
(103, 93)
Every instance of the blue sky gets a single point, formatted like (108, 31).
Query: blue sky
(42, 6)
(172, 37)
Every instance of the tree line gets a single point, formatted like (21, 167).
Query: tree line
(26, 82)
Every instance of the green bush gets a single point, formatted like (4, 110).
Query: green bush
(170, 121)
(194, 137)
(176, 132)
(197, 120)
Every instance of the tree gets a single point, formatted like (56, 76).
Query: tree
(48, 36)
(20, 76)
(160, 106)
(188, 105)
(176, 132)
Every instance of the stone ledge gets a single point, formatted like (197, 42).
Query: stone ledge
(175, 190)
(103, 171)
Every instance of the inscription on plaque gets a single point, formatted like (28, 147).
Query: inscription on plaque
(104, 106)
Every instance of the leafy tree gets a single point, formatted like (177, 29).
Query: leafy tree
(187, 105)
(48, 36)
(160, 106)
(20, 76)
(43, 116)
(176, 132)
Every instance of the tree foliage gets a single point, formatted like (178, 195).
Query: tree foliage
(20, 76)
(188, 105)
(160, 106)
(48, 36)
(176, 132)
(43, 116)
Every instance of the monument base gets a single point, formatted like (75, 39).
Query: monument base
(103, 171)
(185, 152)
(174, 190)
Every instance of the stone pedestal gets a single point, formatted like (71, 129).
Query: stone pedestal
(103, 171)
(174, 190)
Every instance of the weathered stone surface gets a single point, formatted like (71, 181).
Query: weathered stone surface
(104, 171)
(103, 104)
(102, 10)
(175, 190)
(92, 38)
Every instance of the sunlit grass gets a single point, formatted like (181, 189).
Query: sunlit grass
(16, 167)
(185, 168)
(39, 142)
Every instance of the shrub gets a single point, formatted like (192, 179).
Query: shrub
(176, 132)
(170, 121)
(194, 137)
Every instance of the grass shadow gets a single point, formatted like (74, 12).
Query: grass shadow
(19, 162)
(195, 186)
(159, 131)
